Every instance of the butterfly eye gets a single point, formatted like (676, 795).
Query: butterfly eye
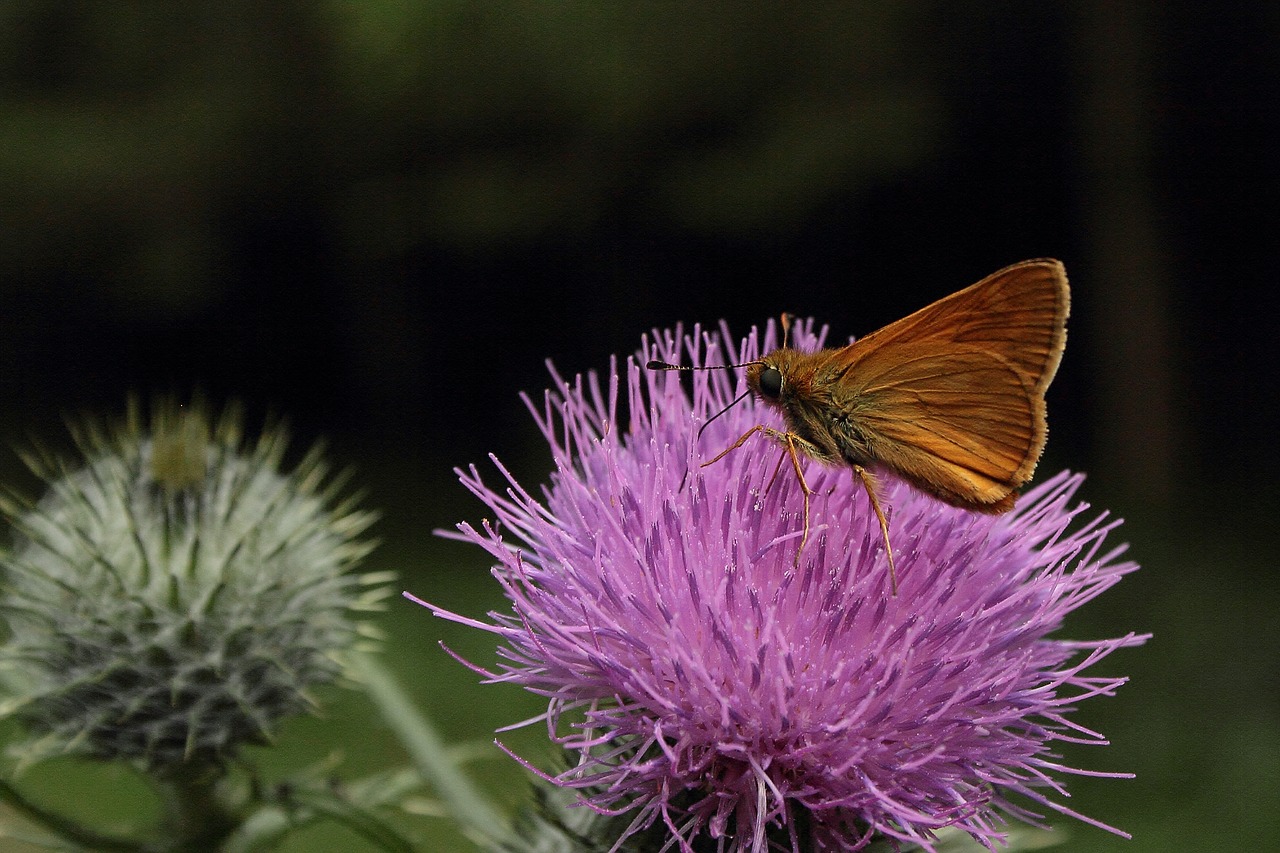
(771, 383)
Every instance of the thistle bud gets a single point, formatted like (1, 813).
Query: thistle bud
(174, 594)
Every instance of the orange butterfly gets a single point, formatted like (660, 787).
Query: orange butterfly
(950, 399)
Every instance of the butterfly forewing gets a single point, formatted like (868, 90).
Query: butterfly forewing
(952, 397)
(1018, 313)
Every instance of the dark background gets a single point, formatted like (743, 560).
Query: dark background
(379, 219)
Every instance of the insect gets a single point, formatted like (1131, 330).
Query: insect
(950, 398)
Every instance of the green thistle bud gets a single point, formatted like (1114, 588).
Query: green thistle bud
(175, 595)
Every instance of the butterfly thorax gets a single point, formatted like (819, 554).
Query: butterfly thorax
(819, 412)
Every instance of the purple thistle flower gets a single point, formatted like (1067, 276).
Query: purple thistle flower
(705, 680)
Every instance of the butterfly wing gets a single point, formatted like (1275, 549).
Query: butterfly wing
(1018, 313)
(952, 397)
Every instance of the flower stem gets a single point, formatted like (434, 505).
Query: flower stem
(196, 813)
(470, 808)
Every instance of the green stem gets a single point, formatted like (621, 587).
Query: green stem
(465, 802)
(195, 812)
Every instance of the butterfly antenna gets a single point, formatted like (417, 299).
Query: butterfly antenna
(787, 321)
(655, 364)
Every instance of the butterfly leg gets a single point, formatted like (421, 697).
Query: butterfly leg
(790, 440)
(869, 483)
(785, 437)
(776, 469)
(742, 439)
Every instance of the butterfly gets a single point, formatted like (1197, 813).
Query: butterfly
(950, 398)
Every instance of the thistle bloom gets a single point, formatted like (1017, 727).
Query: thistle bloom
(174, 595)
(704, 680)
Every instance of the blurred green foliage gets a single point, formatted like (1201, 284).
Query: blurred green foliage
(131, 129)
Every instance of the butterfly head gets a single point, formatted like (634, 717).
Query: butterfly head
(766, 380)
